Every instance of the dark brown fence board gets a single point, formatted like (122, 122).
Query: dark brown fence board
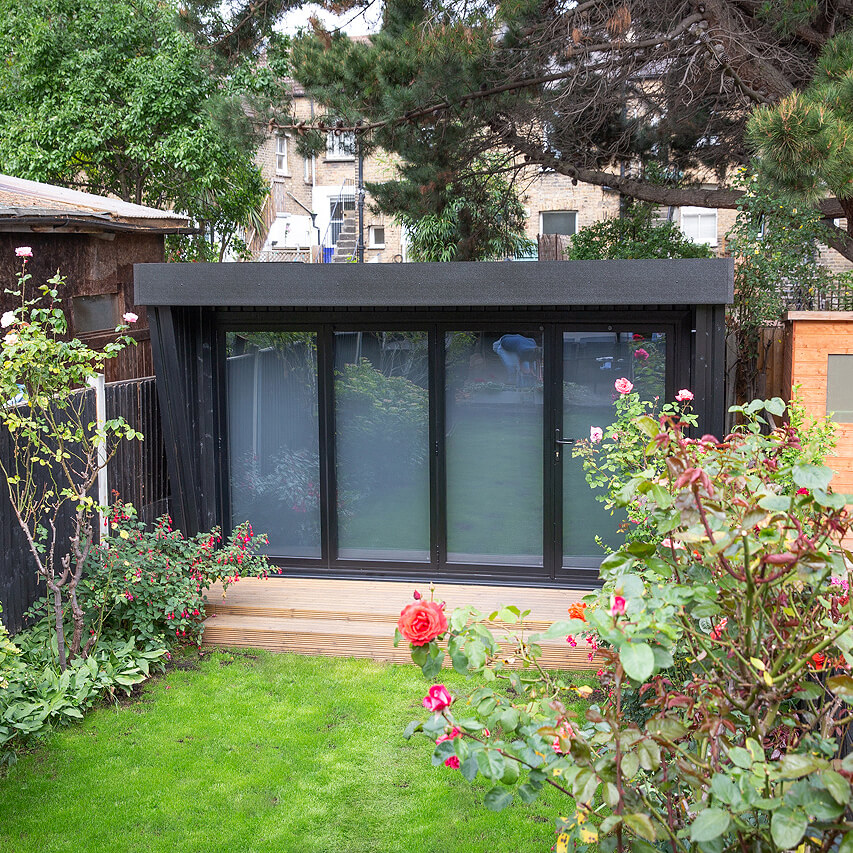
(137, 472)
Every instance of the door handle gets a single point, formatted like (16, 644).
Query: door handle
(559, 440)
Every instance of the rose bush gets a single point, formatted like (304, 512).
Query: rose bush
(744, 584)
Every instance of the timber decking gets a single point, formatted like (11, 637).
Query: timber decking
(352, 618)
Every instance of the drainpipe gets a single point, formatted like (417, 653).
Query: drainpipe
(360, 244)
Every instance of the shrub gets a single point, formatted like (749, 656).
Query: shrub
(152, 584)
(740, 750)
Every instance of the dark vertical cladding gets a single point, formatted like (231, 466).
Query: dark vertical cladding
(183, 346)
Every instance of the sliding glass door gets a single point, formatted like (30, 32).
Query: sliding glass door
(434, 451)
(381, 398)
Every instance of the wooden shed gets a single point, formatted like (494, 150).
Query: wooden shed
(94, 242)
(819, 369)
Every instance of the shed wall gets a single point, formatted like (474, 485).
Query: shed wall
(814, 336)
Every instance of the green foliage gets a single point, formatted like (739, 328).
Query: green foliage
(152, 583)
(737, 746)
(775, 245)
(56, 451)
(634, 235)
(478, 218)
(37, 697)
(805, 142)
(113, 98)
(624, 450)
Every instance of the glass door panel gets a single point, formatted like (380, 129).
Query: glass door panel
(273, 437)
(382, 445)
(592, 362)
(493, 440)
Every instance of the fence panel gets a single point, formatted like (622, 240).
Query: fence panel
(137, 472)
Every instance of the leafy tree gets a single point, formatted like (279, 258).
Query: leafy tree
(805, 142)
(585, 89)
(478, 219)
(112, 98)
(634, 235)
(775, 249)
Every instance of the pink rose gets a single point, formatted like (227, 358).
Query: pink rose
(564, 732)
(438, 698)
(130, 317)
(671, 543)
(24, 252)
(453, 762)
(641, 353)
(623, 386)
(801, 491)
(684, 396)
(596, 434)
(454, 732)
(617, 605)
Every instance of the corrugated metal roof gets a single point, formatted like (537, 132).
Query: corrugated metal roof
(23, 199)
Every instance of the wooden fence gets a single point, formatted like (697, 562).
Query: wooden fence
(137, 474)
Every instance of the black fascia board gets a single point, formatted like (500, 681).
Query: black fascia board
(436, 285)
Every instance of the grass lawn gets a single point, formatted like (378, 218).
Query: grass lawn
(249, 751)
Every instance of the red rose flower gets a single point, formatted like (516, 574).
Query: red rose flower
(422, 622)
(576, 611)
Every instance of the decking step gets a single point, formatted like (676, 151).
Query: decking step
(226, 608)
(339, 638)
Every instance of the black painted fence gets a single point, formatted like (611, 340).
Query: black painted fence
(136, 474)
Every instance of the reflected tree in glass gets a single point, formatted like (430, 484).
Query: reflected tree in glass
(273, 437)
(382, 445)
(494, 423)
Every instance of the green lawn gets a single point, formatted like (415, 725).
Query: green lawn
(251, 751)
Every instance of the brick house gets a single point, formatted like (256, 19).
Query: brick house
(326, 186)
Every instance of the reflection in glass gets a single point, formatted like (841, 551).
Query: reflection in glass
(592, 362)
(273, 437)
(494, 447)
(382, 445)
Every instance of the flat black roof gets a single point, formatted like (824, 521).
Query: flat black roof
(517, 283)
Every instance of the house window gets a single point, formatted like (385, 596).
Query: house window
(281, 155)
(376, 237)
(699, 224)
(558, 222)
(340, 146)
(839, 388)
(95, 313)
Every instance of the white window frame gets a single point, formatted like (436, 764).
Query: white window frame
(695, 235)
(371, 237)
(542, 214)
(340, 146)
(281, 154)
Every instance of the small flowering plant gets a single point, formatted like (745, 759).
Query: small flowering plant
(152, 583)
(745, 585)
(56, 449)
(613, 454)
